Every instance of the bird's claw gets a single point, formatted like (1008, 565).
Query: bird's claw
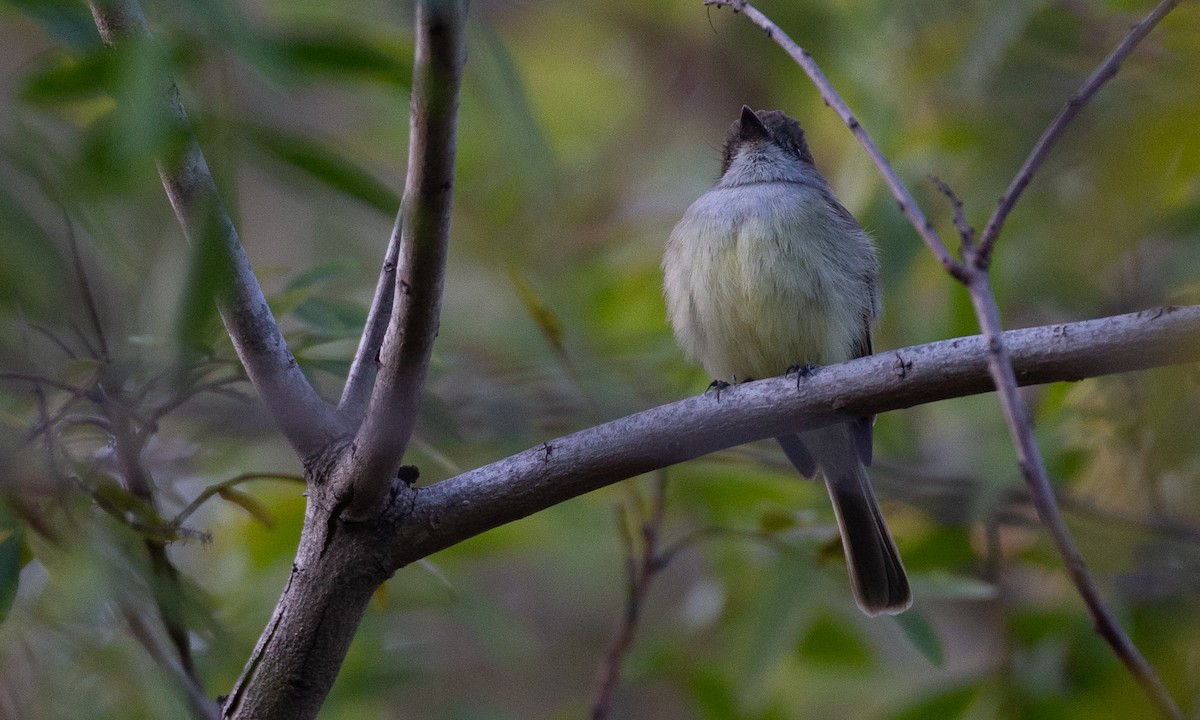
(801, 372)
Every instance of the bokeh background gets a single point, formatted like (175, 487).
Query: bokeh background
(586, 129)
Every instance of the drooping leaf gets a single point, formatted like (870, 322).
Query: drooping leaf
(327, 164)
(320, 275)
(334, 54)
(543, 316)
(332, 317)
(923, 637)
(249, 503)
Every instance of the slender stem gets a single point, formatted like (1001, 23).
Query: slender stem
(362, 373)
(85, 289)
(1033, 468)
(834, 100)
(424, 227)
(199, 705)
(1102, 74)
(641, 569)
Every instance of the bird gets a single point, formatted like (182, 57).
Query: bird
(768, 271)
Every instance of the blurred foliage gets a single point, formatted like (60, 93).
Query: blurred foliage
(586, 129)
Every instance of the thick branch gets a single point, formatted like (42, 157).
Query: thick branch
(424, 227)
(303, 417)
(1104, 73)
(464, 506)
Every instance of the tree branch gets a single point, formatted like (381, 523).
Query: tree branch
(1104, 73)
(441, 515)
(304, 418)
(834, 101)
(424, 227)
(641, 569)
(361, 377)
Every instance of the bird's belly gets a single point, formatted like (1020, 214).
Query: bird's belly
(758, 297)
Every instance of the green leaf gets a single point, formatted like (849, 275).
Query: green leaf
(327, 164)
(833, 642)
(67, 21)
(210, 274)
(320, 275)
(68, 79)
(546, 320)
(775, 520)
(946, 706)
(337, 54)
(249, 503)
(923, 637)
(332, 317)
(26, 252)
(337, 368)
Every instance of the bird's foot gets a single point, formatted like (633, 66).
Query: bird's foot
(801, 372)
(718, 386)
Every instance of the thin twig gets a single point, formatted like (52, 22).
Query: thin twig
(85, 288)
(965, 231)
(216, 489)
(213, 386)
(1033, 468)
(1102, 74)
(84, 393)
(54, 339)
(200, 706)
(424, 227)
(835, 102)
(364, 367)
(641, 568)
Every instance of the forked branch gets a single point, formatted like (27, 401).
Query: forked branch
(424, 228)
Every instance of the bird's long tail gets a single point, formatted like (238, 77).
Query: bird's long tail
(876, 572)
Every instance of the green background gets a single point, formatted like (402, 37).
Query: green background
(586, 129)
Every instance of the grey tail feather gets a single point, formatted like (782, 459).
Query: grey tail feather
(876, 572)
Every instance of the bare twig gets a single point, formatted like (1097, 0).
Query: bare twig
(50, 334)
(305, 419)
(641, 568)
(213, 386)
(1033, 468)
(79, 392)
(424, 227)
(85, 289)
(365, 365)
(1102, 74)
(199, 705)
(965, 231)
(835, 102)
